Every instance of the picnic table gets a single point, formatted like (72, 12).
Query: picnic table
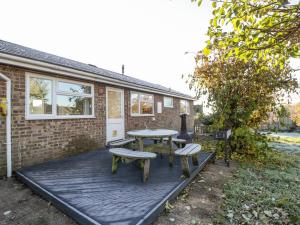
(140, 135)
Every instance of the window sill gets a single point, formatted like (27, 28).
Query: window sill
(58, 117)
(142, 115)
(171, 107)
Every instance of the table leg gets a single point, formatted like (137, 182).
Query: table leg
(115, 161)
(146, 170)
(171, 157)
(140, 144)
(185, 166)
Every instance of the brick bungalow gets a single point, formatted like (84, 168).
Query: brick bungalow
(60, 106)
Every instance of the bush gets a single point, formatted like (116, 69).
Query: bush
(246, 145)
(246, 142)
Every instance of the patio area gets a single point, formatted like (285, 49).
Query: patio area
(84, 188)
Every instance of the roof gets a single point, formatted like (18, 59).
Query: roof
(29, 53)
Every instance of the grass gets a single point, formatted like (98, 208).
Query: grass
(292, 140)
(264, 191)
(269, 194)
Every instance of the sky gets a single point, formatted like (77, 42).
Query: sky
(150, 37)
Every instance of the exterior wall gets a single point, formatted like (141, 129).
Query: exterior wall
(36, 141)
(2, 130)
(168, 119)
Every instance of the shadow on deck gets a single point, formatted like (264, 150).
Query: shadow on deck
(83, 187)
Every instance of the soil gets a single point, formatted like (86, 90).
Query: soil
(20, 206)
(200, 201)
(197, 204)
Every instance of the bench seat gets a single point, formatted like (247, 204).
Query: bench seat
(128, 156)
(190, 150)
(177, 141)
(128, 153)
(120, 143)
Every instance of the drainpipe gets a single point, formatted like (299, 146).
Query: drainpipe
(8, 124)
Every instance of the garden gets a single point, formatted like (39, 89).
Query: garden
(246, 74)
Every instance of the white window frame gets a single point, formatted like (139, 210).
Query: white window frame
(187, 106)
(139, 113)
(172, 102)
(55, 92)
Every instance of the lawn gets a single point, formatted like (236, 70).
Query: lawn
(294, 140)
(288, 142)
(263, 195)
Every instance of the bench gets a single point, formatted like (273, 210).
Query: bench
(177, 141)
(121, 143)
(128, 156)
(190, 150)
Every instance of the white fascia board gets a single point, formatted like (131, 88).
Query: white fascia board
(61, 70)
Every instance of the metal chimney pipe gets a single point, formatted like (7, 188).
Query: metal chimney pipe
(183, 131)
(123, 69)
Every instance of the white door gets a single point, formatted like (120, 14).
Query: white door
(114, 114)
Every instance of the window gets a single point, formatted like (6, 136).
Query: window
(114, 104)
(168, 102)
(52, 98)
(40, 98)
(184, 107)
(141, 104)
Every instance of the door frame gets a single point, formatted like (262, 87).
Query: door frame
(108, 88)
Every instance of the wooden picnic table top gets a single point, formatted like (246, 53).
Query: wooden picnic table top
(156, 133)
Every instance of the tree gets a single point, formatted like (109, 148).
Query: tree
(245, 64)
(245, 67)
(265, 30)
(240, 93)
(295, 113)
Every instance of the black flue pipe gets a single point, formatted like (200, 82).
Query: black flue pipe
(183, 130)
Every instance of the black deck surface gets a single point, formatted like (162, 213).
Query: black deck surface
(83, 187)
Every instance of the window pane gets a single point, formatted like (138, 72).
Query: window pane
(75, 88)
(182, 106)
(146, 104)
(168, 102)
(114, 104)
(134, 103)
(73, 105)
(40, 97)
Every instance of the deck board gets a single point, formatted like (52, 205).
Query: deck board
(83, 187)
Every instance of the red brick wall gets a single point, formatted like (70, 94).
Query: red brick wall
(168, 119)
(2, 130)
(36, 141)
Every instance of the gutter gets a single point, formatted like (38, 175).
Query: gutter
(8, 125)
(61, 70)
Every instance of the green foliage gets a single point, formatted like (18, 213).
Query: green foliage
(240, 93)
(246, 146)
(265, 30)
(207, 120)
(249, 144)
(245, 69)
(198, 109)
(268, 195)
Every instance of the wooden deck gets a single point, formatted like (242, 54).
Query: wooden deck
(83, 187)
